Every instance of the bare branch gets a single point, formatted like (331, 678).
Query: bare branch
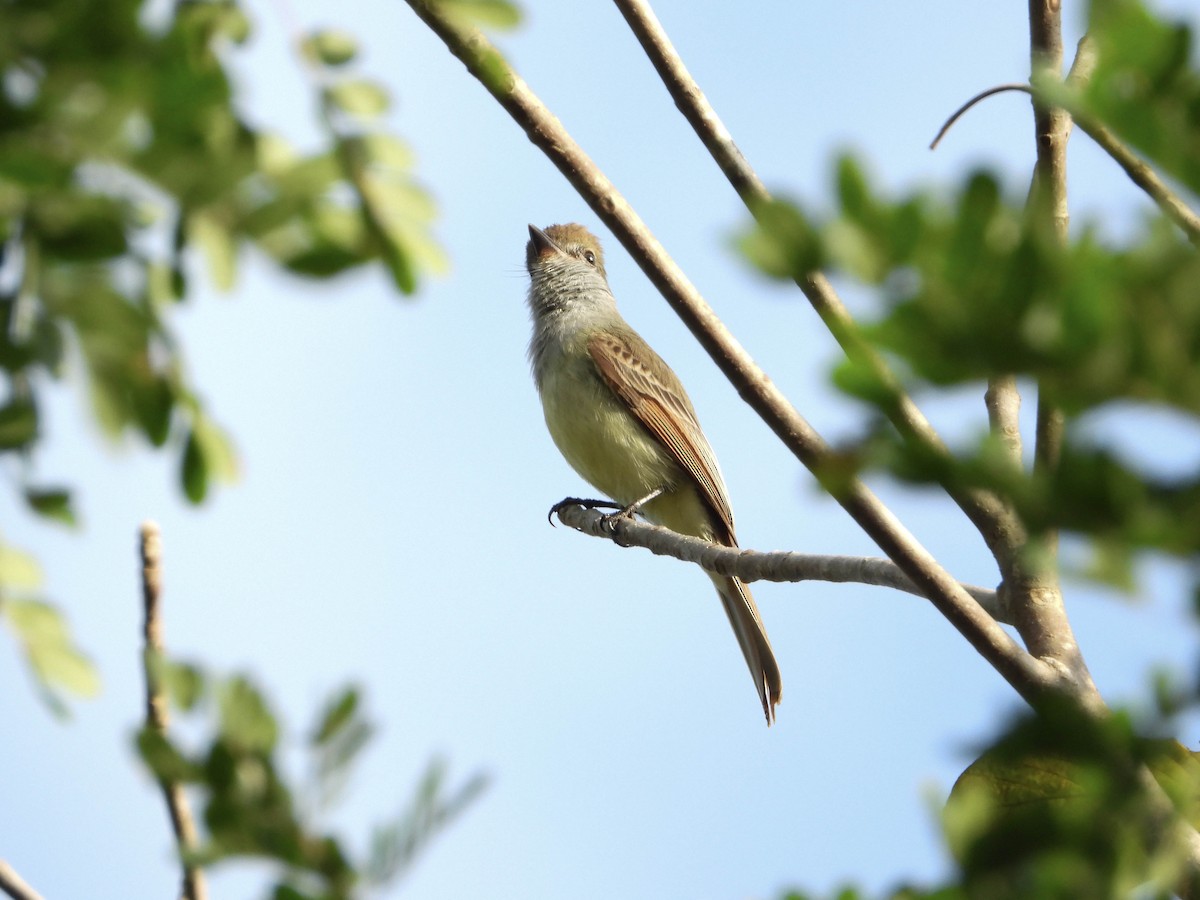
(1031, 678)
(157, 714)
(14, 885)
(753, 565)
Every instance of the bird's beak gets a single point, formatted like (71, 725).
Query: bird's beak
(540, 244)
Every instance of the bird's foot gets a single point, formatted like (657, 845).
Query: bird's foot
(587, 504)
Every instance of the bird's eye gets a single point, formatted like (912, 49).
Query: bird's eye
(589, 256)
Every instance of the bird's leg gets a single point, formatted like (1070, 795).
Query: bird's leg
(586, 504)
(635, 507)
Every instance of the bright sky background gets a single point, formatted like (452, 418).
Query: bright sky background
(389, 527)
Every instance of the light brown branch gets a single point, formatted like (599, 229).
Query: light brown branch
(1032, 679)
(194, 886)
(752, 565)
(14, 885)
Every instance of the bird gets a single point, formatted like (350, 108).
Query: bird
(622, 419)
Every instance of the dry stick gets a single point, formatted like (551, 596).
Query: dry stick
(14, 885)
(1032, 679)
(157, 715)
(753, 565)
(1000, 528)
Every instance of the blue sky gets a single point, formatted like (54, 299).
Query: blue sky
(389, 524)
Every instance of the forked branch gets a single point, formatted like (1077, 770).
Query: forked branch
(1031, 678)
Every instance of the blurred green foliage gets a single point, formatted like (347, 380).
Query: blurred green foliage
(973, 282)
(1145, 87)
(1054, 808)
(127, 169)
(253, 807)
(59, 668)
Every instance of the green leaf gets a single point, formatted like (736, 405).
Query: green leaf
(79, 227)
(487, 13)
(340, 735)
(207, 455)
(1056, 806)
(782, 243)
(246, 720)
(18, 571)
(51, 503)
(339, 712)
(193, 471)
(184, 684)
(219, 247)
(54, 660)
(163, 758)
(388, 150)
(18, 424)
(330, 47)
(396, 844)
(153, 401)
(364, 99)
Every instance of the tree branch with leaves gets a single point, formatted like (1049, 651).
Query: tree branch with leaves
(971, 307)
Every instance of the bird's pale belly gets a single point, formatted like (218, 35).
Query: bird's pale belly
(610, 448)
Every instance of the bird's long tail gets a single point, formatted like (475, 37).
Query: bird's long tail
(752, 638)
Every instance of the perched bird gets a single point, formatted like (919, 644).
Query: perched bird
(621, 418)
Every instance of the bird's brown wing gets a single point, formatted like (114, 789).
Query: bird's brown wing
(657, 399)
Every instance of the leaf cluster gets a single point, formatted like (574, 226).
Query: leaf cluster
(125, 162)
(253, 808)
(122, 150)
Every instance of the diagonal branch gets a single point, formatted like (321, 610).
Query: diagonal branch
(1031, 678)
(752, 565)
(157, 717)
(14, 885)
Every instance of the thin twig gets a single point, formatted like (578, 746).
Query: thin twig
(982, 95)
(1032, 679)
(14, 885)
(753, 565)
(157, 713)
